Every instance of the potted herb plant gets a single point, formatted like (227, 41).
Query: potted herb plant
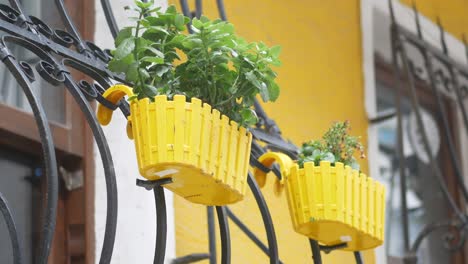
(191, 101)
(329, 199)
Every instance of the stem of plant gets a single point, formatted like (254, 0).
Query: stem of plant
(135, 52)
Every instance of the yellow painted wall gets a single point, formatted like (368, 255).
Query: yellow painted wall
(321, 81)
(453, 14)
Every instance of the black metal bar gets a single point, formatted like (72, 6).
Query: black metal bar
(247, 231)
(150, 185)
(94, 64)
(329, 248)
(358, 257)
(267, 221)
(161, 225)
(69, 24)
(221, 9)
(314, 246)
(191, 258)
(48, 152)
(383, 116)
(211, 234)
(16, 245)
(61, 75)
(198, 8)
(443, 116)
(106, 157)
(224, 234)
(400, 147)
(110, 18)
(416, 108)
(412, 38)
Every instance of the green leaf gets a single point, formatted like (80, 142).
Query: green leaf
(329, 157)
(156, 60)
(153, 50)
(132, 73)
(150, 90)
(123, 34)
(122, 64)
(131, 98)
(179, 22)
(273, 91)
(157, 29)
(162, 69)
(249, 117)
(126, 47)
(171, 10)
(143, 5)
(144, 74)
(253, 79)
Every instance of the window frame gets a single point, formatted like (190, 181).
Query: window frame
(74, 145)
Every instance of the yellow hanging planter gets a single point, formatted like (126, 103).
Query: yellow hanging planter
(332, 204)
(205, 154)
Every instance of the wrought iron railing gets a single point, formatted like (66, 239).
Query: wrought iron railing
(49, 44)
(442, 74)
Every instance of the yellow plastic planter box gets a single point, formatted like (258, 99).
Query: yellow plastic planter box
(205, 154)
(333, 204)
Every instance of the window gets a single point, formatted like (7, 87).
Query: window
(21, 156)
(425, 201)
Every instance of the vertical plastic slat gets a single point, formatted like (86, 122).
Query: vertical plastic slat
(363, 200)
(195, 131)
(170, 126)
(340, 189)
(290, 191)
(214, 143)
(152, 136)
(371, 209)
(223, 148)
(161, 102)
(204, 137)
(382, 213)
(334, 194)
(356, 193)
(327, 190)
(188, 132)
(248, 147)
(239, 170)
(309, 176)
(232, 153)
(378, 214)
(179, 127)
(135, 124)
(144, 129)
(317, 191)
(349, 196)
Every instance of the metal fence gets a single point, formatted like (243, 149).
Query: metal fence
(443, 75)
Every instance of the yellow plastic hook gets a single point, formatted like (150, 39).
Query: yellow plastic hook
(113, 95)
(267, 160)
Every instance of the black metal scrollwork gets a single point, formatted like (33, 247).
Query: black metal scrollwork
(443, 75)
(57, 51)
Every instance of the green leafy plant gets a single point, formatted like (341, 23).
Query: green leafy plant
(212, 64)
(335, 146)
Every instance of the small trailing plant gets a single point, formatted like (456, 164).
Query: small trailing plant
(212, 64)
(335, 146)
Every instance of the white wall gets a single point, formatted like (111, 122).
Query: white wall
(135, 239)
